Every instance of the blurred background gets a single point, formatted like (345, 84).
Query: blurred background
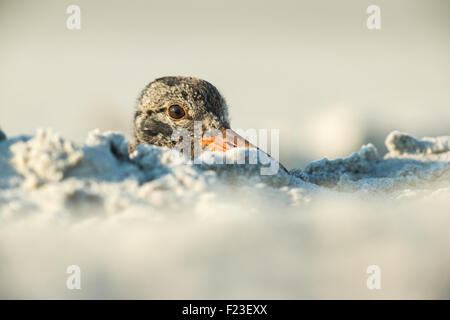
(309, 68)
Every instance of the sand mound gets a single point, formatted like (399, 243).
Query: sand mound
(154, 225)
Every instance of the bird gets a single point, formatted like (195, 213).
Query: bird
(175, 103)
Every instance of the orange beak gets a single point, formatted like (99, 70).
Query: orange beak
(225, 140)
(228, 139)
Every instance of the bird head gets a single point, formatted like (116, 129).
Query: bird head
(169, 104)
(173, 103)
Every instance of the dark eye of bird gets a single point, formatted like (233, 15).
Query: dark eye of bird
(176, 112)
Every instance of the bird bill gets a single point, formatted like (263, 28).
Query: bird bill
(224, 140)
(227, 139)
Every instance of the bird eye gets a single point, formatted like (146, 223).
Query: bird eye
(176, 111)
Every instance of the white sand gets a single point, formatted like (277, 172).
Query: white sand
(154, 226)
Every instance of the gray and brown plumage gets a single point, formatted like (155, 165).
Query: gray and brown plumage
(172, 103)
